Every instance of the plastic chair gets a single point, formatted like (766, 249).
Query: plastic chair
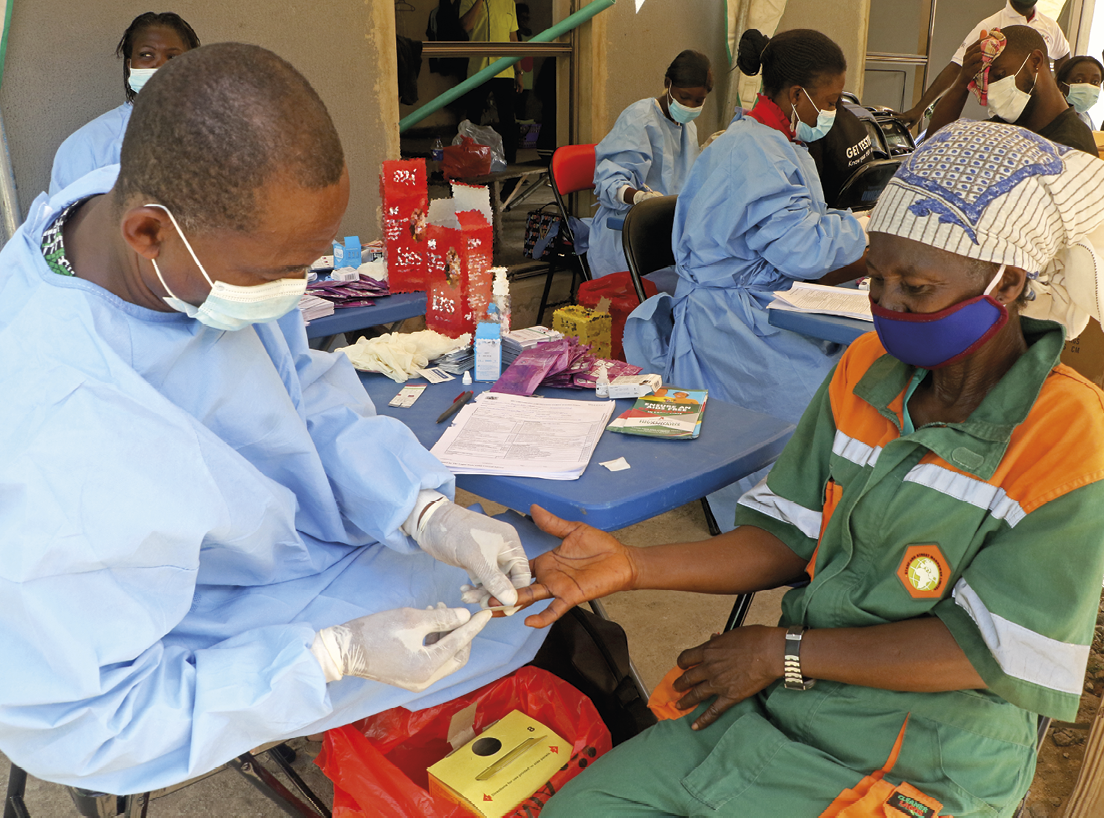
(91, 804)
(646, 238)
(571, 170)
(865, 185)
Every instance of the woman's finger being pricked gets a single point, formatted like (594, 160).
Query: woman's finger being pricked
(549, 615)
(532, 593)
(713, 712)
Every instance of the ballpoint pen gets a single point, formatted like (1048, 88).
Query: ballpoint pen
(461, 399)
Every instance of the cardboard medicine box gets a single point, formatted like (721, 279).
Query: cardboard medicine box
(590, 326)
(494, 772)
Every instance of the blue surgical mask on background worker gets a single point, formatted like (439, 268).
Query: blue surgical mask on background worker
(138, 78)
(682, 114)
(231, 306)
(1082, 96)
(811, 133)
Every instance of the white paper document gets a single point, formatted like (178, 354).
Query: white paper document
(524, 437)
(817, 298)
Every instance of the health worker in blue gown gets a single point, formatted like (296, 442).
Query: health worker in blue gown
(151, 40)
(208, 538)
(751, 219)
(648, 153)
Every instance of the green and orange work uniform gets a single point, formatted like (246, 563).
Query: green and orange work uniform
(992, 525)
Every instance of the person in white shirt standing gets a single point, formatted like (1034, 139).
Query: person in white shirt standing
(1014, 13)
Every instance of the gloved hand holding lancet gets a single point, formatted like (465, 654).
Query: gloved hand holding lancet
(390, 646)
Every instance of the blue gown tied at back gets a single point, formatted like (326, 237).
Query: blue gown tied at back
(751, 219)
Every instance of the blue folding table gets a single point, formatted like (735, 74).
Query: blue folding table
(833, 328)
(663, 474)
(386, 310)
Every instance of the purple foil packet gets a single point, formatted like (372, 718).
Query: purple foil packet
(532, 366)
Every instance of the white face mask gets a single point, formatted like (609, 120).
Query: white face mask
(139, 77)
(1005, 100)
(231, 306)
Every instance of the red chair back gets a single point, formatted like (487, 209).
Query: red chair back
(572, 169)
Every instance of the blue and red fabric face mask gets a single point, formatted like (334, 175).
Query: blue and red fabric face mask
(931, 340)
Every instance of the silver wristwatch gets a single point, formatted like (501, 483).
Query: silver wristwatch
(793, 678)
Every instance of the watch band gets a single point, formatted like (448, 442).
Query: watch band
(793, 678)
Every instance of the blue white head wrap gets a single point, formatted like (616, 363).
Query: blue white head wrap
(999, 193)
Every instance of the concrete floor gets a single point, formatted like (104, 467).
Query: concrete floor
(659, 624)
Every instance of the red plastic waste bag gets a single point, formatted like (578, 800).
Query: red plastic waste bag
(378, 765)
(465, 160)
(618, 288)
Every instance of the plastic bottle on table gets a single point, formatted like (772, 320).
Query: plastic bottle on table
(488, 347)
(436, 156)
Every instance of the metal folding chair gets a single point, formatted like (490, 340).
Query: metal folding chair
(571, 171)
(92, 804)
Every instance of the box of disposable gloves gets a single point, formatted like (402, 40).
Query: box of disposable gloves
(501, 767)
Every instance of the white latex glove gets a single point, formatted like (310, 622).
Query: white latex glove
(488, 549)
(641, 195)
(390, 646)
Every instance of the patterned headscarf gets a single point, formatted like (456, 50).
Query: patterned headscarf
(998, 193)
(991, 48)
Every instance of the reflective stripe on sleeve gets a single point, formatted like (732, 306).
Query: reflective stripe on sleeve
(855, 450)
(1022, 653)
(765, 501)
(969, 490)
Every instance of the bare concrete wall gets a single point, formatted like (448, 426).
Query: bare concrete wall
(61, 72)
(845, 21)
(630, 53)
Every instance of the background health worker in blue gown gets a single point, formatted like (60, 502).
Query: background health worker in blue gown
(648, 153)
(151, 40)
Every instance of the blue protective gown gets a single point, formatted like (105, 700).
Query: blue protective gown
(644, 148)
(751, 219)
(180, 510)
(94, 145)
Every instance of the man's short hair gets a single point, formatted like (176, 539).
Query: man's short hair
(214, 125)
(1023, 40)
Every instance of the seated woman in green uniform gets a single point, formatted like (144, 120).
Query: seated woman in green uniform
(941, 494)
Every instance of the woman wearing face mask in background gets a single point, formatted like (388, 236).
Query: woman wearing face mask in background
(752, 219)
(648, 153)
(149, 42)
(1080, 79)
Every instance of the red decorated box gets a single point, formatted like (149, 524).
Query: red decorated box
(405, 212)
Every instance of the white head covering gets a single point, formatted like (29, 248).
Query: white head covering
(998, 193)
